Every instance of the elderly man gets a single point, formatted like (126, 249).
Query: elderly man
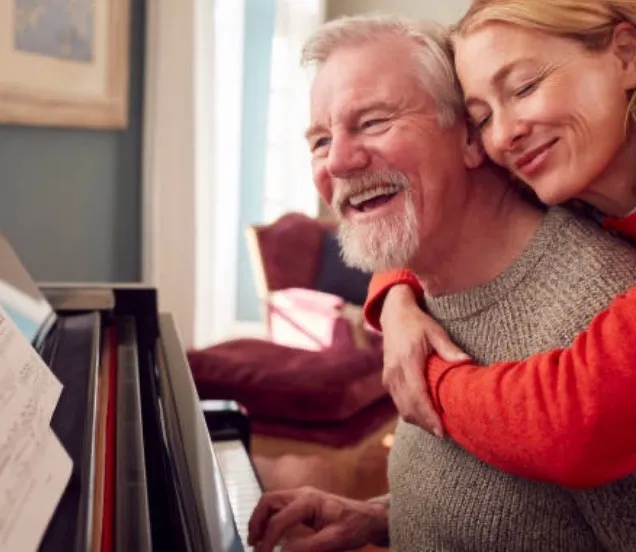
(393, 157)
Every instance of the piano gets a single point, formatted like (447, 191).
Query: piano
(154, 468)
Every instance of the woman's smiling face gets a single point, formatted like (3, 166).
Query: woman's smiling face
(547, 109)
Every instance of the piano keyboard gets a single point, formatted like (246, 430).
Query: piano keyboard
(242, 486)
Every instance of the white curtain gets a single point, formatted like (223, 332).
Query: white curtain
(288, 184)
(192, 151)
(190, 199)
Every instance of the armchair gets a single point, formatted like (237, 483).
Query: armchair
(310, 298)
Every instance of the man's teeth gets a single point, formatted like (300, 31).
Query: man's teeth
(360, 198)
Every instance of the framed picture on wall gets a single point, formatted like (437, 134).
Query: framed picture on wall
(64, 63)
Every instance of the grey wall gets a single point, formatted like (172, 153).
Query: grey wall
(70, 199)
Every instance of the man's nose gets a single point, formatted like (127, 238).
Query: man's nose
(347, 155)
(508, 130)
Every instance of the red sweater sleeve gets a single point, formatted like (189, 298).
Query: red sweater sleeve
(378, 288)
(625, 225)
(565, 416)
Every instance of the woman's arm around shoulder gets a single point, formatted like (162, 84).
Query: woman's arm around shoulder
(380, 285)
(565, 416)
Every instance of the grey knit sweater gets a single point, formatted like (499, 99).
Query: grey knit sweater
(444, 499)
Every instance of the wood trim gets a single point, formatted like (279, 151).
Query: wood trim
(258, 271)
(256, 260)
(20, 105)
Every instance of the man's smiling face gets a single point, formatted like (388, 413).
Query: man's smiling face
(379, 155)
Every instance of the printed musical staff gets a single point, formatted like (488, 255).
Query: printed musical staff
(34, 467)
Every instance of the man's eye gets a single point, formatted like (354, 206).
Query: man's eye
(319, 143)
(372, 122)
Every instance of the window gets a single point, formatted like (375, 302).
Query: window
(288, 183)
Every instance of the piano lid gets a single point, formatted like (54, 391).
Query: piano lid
(21, 298)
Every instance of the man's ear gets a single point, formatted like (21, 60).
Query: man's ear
(624, 48)
(473, 151)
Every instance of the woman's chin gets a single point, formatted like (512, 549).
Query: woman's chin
(555, 190)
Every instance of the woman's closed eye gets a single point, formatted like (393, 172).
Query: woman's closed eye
(480, 122)
(526, 88)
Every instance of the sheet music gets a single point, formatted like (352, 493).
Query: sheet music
(23, 375)
(34, 467)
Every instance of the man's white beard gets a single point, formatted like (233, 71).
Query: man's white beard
(384, 244)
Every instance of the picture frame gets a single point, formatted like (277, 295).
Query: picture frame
(64, 63)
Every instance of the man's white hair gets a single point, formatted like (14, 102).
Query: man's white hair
(431, 49)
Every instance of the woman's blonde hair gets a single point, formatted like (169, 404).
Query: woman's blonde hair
(589, 22)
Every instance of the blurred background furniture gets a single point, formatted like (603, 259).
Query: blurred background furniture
(310, 298)
(313, 392)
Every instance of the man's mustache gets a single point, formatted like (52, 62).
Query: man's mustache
(346, 188)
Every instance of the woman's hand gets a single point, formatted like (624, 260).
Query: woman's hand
(410, 337)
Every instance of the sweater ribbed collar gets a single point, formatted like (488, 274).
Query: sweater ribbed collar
(467, 303)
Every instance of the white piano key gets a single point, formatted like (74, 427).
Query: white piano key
(243, 487)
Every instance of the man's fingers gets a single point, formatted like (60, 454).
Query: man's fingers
(331, 539)
(267, 506)
(296, 512)
(445, 348)
(256, 526)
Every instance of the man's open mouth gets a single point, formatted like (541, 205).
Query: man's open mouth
(373, 198)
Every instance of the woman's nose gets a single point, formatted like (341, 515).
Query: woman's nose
(507, 132)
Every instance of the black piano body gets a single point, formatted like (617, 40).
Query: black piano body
(170, 491)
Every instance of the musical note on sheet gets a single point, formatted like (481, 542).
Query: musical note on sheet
(34, 467)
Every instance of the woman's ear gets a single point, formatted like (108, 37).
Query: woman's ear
(473, 151)
(624, 48)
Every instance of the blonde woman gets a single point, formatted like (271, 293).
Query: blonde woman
(549, 85)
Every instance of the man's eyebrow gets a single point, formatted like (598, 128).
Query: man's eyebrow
(375, 106)
(313, 130)
(498, 78)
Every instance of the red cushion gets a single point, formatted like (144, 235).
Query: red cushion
(277, 382)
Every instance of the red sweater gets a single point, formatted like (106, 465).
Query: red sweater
(566, 416)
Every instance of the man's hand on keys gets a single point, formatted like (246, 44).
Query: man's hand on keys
(337, 523)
